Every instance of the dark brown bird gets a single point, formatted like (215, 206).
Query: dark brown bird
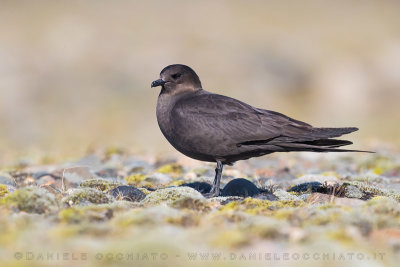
(216, 128)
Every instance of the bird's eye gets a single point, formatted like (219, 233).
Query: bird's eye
(176, 75)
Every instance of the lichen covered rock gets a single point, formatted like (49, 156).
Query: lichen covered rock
(283, 195)
(126, 192)
(258, 206)
(32, 200)
(100, 184)
(172, 195)
(81, 214)
(85, 196)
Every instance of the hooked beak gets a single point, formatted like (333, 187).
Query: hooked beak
(159, 82)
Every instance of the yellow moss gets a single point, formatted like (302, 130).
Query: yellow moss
(327, 206)
(230, 239)
(379, 164)
(31, 199)
(134, 217)
(382, 202)
(284, 214)
(3, 190)
(184, 220)
(135, 179)
(145, 190)
(71, 215)
(378, 170)
(178, 196)
(176, 182)
(114, 150)
(173, 168)
(46, 160)
(258, 206)
(188, 203)
(66, 231)
(322, 217)
(87, 213)
(267, 228)
(87, 195)
(99, 184)
(341, 236)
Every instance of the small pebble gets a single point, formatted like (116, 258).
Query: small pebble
(353, 192)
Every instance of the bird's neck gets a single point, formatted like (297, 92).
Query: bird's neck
(165, 104)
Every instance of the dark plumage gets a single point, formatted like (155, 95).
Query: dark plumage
(217, 128)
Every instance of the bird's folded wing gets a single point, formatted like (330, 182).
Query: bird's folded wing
(238, 121)
(213, 114)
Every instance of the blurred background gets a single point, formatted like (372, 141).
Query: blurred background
(75, 75)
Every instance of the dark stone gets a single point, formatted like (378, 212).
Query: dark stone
(202, 187)
(310, 187)
(240, 187)
(126, 192)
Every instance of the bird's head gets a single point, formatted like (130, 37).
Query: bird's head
(177, 78)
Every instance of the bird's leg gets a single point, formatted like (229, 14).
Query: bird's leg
(214, 192)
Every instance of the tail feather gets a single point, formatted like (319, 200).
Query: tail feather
(327, 143)
(332, 132)
(318, 148)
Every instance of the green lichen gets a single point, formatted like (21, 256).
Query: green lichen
(3, 190)
(173, 196)
(85, 214)
(100, 184)
(258, 206)
(32, 200)
(372, 190)
(86, 196)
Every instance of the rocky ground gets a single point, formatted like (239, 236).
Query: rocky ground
(290, 209)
